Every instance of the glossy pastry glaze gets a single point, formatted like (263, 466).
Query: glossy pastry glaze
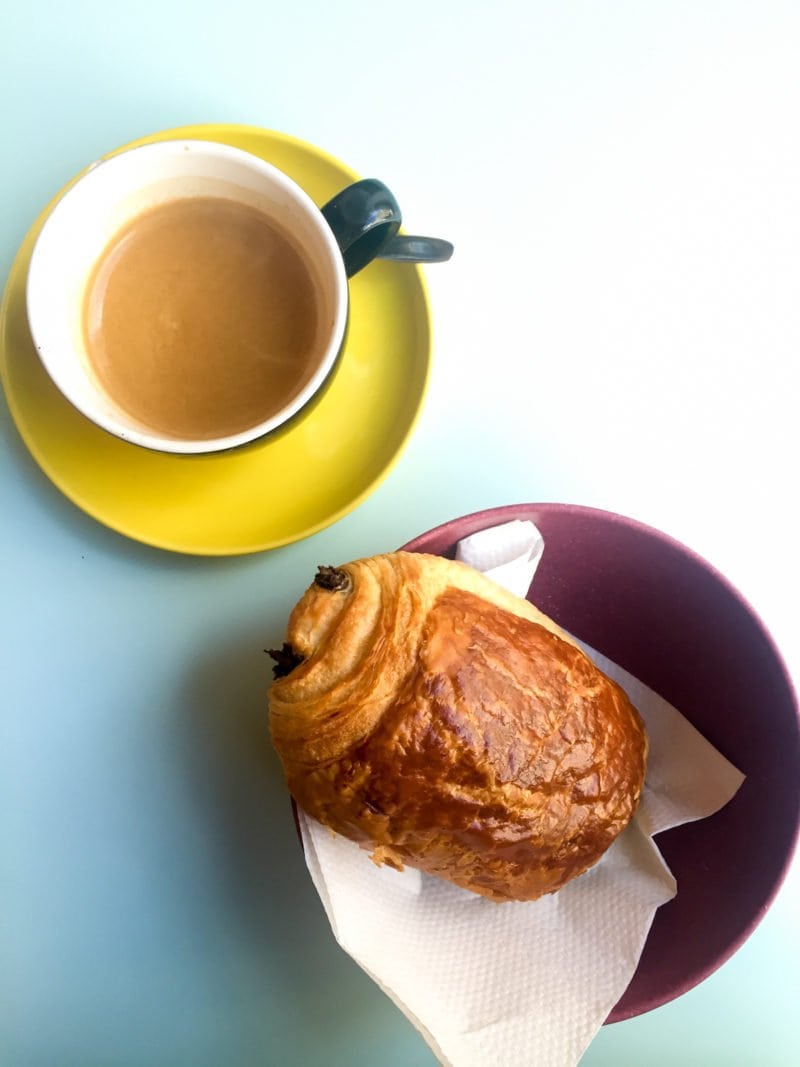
(446, 724)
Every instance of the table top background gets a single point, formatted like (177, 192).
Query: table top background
(619, 327)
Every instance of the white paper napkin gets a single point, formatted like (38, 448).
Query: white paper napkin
(521, 983)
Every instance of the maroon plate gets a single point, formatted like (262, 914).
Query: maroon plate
(670, 619)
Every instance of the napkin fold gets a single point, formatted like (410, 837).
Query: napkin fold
(522, 983)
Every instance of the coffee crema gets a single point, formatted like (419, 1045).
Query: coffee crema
(201, 318)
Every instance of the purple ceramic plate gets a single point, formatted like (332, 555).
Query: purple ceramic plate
(670, 619)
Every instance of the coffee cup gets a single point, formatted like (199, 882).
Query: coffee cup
(189, 297)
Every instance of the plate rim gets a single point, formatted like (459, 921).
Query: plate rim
(506, 512)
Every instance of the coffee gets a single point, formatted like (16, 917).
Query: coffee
(202, 318)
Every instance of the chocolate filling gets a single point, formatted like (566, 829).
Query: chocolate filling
(332, 578)
(286, 659)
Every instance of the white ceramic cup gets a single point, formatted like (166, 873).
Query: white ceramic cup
(110, 195)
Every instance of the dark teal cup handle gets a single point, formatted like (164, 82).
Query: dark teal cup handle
(365, 218)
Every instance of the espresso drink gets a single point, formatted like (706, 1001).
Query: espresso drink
(201, 318)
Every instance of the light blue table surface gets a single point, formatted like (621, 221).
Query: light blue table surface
(619, 327)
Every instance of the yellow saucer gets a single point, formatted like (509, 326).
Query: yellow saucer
(280, 489)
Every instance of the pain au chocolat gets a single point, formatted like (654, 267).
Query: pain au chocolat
(439, 721)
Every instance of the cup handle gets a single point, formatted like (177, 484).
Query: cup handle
(365, 218)
(405, 248)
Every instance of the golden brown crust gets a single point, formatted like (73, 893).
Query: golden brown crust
(442, 722)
